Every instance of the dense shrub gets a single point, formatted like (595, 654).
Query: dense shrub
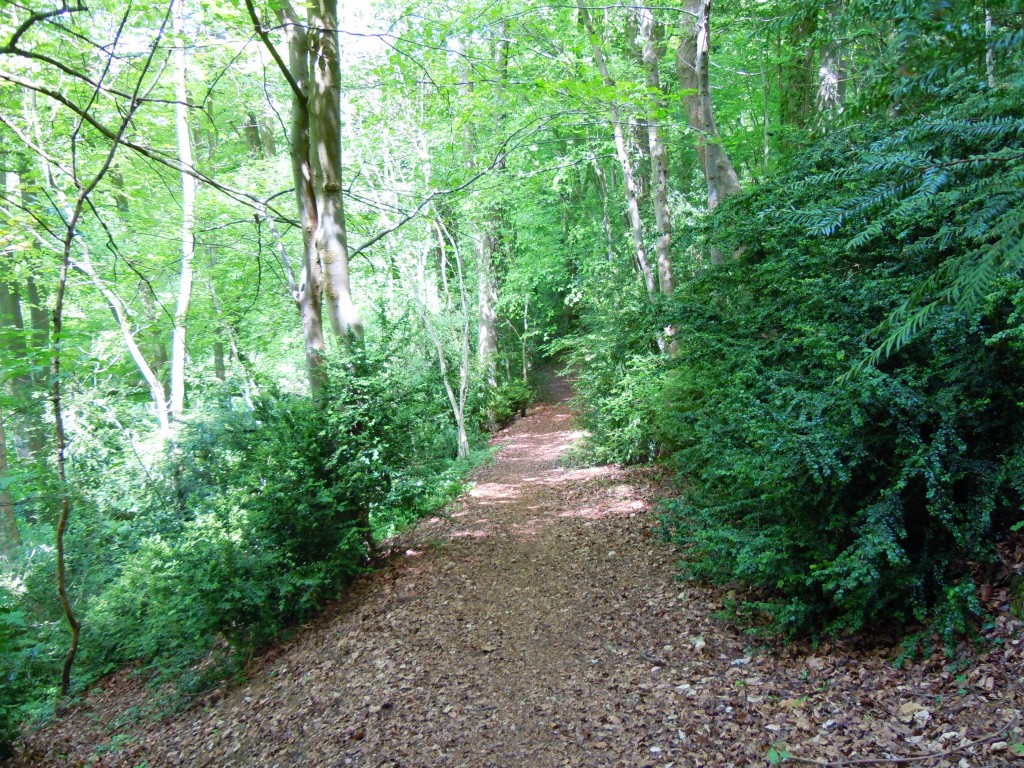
(269, 512)
(186, 556)
(505, 402)
(14, 688)
(617, 375)
(842, 501)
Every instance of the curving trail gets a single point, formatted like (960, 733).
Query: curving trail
(540, 625)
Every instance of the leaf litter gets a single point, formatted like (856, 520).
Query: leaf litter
(539, 622)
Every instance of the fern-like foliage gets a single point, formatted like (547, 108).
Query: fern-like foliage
(948, 189)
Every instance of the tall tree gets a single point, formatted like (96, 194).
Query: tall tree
(831, 68)
(9, 537)
(692, 61)
(313, 75)
(487, 241)
(797, 73)
(188, 212)
(658, 150)
(622, 152)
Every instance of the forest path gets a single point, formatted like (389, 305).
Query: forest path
(539, 623)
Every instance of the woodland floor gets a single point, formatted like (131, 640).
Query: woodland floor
(539, 623)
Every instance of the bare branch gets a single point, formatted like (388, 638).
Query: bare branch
(258, 26)
(496, 161)
(34, 19)
(168, 160)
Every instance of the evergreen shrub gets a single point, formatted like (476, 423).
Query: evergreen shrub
(617, 377)
(841, 502)
(270, 513)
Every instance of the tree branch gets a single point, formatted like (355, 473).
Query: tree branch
(34, 19)
(167, 160)
(497, 160)
(258, 26)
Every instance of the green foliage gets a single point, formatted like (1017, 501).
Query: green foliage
(506, 401)
(14, 688)
(187, 560)
(946, 186)
(841, 504)
(617, 378)
(270, 512)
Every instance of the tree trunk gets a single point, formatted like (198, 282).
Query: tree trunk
(487, 298)
(12, 342)
(631, 190)
(330, 237)
(765, 108)
(9, 536)
(606, 218)
(693, 76)
(457, 401)
(23, 383)
(487, 244)
(464, 362)
(831, 74)
(722, 179)
(798, 71)
(267, 138)
(308, 291)
(990, 53)
(188, 205)
(120, 313)
(659, 155)
(22, 347)
(313, 74)
(154, 348)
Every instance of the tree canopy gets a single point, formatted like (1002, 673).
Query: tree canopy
(272, 270)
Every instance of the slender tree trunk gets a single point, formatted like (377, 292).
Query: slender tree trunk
(487, 298)
(12, 344)
(631, 190)
(308, 292)
(464, 362)
(524, 339)
(693, 67)
(606, 218)
(990, 53)
(487, 243)
(722, 178)
(210, 129)
(29, 434)
(219, 366)
(658, 153)
(153, 346)
(457, 400)
(188, 205)
(267, 138)
(37, 314)
(120, 313)
(9, 536)
(39, 320)
(765, 109)
(56, 398)
(330, 238)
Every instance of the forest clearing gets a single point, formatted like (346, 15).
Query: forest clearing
(282, 280)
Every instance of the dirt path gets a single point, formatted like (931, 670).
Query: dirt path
(540, 625)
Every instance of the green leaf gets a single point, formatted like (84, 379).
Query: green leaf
(13, 619)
